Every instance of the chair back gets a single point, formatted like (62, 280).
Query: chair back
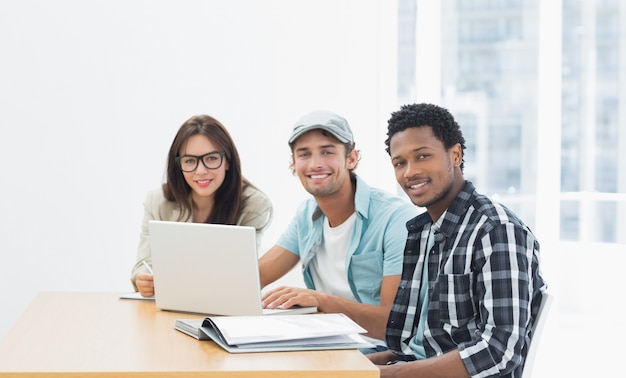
(535, 333)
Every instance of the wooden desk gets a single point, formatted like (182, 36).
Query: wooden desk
(99, 335)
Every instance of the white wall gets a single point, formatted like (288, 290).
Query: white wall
(92, 93)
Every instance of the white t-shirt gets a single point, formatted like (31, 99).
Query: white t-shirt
(328, 267)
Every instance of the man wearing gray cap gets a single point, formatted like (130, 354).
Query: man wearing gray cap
(348, 237)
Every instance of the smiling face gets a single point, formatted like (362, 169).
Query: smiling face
(321, 163)
(203, 181)
(428, 173)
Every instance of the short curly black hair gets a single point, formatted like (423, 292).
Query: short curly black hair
(444, 127)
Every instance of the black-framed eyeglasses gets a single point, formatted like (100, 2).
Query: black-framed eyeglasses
(189, 163)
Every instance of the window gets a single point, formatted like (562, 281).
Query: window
(489, 78)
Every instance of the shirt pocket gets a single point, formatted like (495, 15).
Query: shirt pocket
(366, 271)
(455, 300)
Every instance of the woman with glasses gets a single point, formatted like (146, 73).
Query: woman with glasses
(204, 185)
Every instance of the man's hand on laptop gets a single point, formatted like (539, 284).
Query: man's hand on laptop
(145, 284)
(285, 297)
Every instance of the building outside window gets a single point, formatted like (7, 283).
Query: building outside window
(490, 66)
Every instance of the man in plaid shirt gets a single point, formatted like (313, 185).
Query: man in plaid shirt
(471, 284)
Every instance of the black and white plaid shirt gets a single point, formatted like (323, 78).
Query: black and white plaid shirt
(484, 286)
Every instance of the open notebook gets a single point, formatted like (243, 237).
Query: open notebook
(208, 269)
(244, 334)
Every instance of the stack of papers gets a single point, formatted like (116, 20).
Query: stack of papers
(241, 334)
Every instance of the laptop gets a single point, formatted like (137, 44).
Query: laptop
(208, 268)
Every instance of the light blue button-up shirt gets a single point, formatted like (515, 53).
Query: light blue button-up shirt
(376, 246)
